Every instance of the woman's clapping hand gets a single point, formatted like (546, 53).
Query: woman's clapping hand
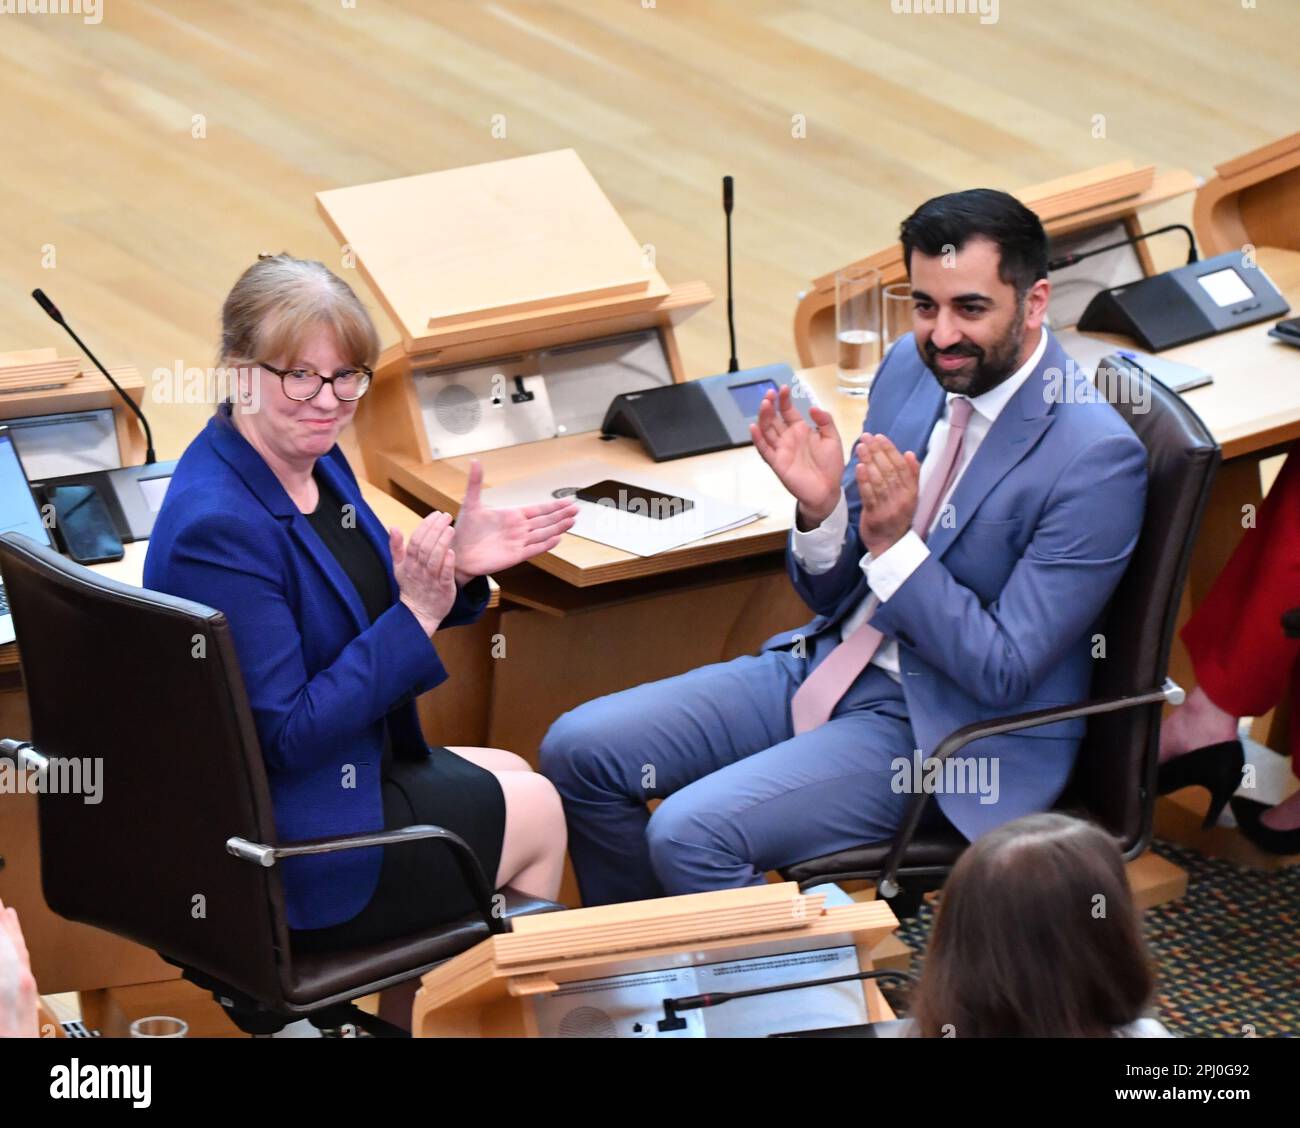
(425, 567)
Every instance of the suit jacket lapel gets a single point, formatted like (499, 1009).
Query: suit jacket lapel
(918, 415)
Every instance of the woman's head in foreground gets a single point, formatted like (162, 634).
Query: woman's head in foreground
(1036, 936)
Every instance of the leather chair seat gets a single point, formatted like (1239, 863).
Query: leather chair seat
(933, 847)
(315, 976)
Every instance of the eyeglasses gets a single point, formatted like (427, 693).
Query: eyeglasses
(302, 384)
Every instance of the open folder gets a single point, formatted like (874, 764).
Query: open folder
(624, 522)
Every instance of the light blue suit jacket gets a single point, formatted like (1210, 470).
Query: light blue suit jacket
(321, 678)
(1000, 617)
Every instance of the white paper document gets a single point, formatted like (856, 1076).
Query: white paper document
(626, 520)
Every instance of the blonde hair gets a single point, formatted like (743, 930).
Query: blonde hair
(278, 300)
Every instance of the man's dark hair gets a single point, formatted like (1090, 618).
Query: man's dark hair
(951, 220)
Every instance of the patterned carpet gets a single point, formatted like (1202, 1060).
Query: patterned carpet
(1227, 955)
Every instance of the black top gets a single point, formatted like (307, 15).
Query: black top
(341, 531)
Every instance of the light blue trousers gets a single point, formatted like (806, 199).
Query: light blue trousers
(741, 793)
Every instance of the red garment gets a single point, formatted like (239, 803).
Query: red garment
(1243, 660)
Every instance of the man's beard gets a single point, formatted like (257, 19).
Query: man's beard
(991, 366)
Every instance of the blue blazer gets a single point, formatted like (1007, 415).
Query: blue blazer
(1000, 617)
(321, 679)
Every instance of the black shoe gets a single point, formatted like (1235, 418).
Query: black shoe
(1216, 767)
(1247, 812)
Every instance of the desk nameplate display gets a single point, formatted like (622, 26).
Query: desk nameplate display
(1195, 301)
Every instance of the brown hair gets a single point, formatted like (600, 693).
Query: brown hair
(278, 299)
(1037, 936)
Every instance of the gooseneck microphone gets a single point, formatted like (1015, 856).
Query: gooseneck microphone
(53, 310)
(1078, 256)
(728, 200)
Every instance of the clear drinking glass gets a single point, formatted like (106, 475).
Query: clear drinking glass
(159, 1026)
(895, 313)
(857, 328)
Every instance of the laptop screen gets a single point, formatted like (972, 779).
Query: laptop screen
(19, 512)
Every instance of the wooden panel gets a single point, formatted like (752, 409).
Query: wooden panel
(1179, 817)
(555, 664)
(65, 956)
(1255, 198)
(488, 241)
(112, 1011)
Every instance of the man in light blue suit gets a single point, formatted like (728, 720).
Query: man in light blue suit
(958, 566)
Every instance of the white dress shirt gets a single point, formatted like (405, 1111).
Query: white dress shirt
(818, 549)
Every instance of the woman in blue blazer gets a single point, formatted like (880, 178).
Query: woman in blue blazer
(332, 618)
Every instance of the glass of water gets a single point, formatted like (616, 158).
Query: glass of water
(895, 312)
(857, 328)
(159, 1026)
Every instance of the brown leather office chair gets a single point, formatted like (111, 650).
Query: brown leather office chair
(180, 853)
(1114, 776)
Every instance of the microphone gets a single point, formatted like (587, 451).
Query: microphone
(50, 308)
(1078, 256)
(728, 200)
(673, 1021)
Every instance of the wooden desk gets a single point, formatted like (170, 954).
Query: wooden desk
(1253, 406)
(738, 475)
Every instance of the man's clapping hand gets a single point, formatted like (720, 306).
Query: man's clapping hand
(809, 461)
(887, 483)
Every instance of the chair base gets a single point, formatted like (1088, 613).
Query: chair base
(259, 1021)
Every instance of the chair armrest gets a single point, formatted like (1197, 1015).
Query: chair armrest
(260, 854)
(23, 755)
(1169, 693)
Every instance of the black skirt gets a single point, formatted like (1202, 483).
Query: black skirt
(420, 884)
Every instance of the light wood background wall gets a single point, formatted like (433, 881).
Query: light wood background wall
(150, 216)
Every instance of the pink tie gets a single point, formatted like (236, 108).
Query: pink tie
(815, 700)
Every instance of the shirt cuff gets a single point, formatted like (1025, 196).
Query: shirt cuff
(818, 549)
(888, 572)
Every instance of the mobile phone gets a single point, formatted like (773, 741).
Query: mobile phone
(635, 499)
(82, 522)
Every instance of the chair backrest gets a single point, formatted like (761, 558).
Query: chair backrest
(147, 687)
(1114, 778)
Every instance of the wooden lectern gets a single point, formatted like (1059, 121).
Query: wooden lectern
(489, 990)
(492, 265)
(1254, 198)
